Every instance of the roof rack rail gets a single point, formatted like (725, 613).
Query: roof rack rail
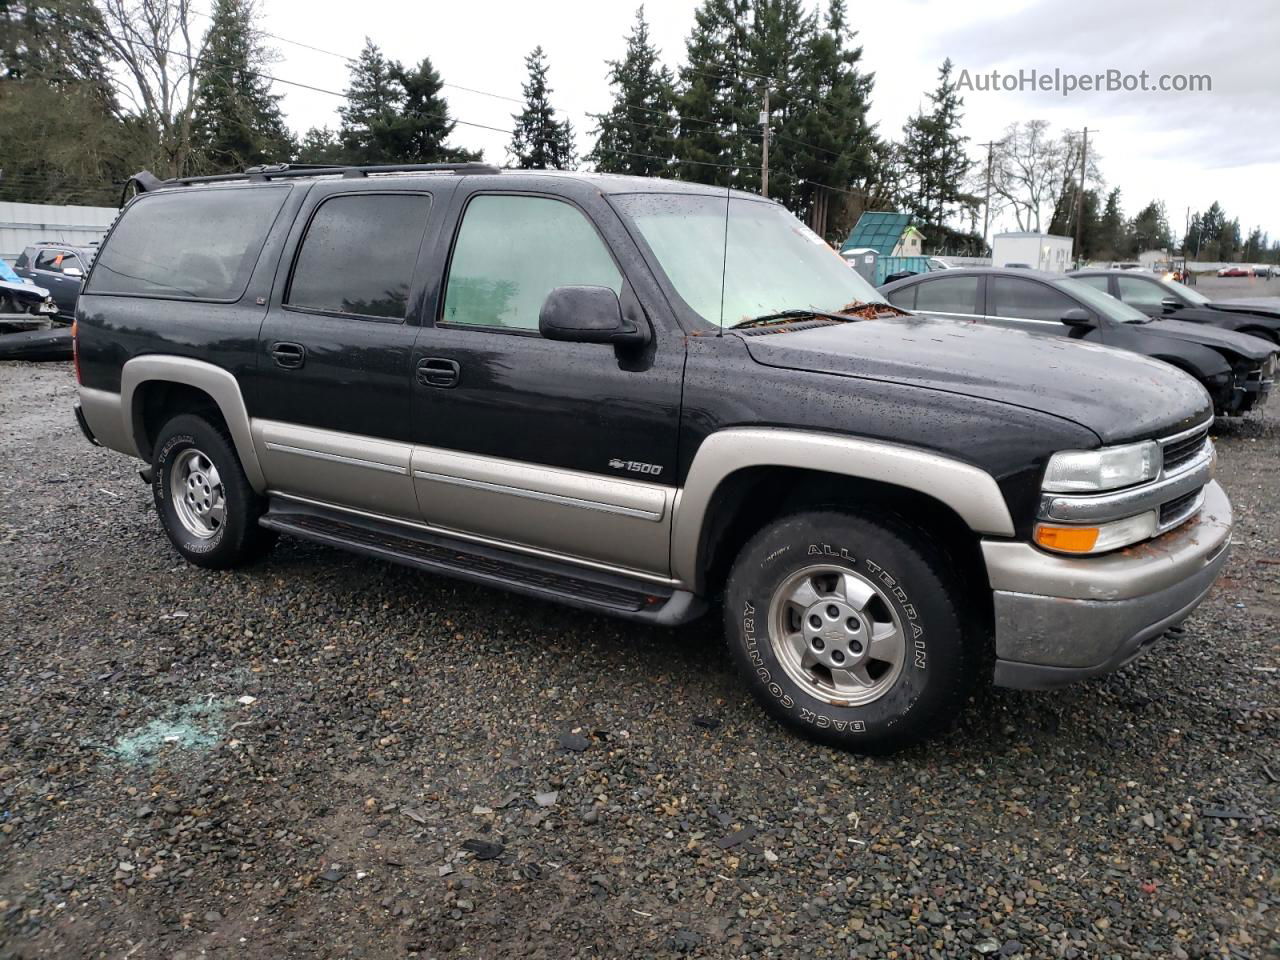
(147, 182)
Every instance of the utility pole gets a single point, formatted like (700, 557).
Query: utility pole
(764, 157)
(1084, 166)
(986, 206)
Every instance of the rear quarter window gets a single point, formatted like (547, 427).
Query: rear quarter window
(196, 245)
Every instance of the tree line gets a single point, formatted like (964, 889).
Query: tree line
(95, 90)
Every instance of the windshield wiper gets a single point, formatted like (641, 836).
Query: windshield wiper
(787, 315)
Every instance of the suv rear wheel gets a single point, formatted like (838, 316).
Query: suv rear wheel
(203, 498)
(849, 630)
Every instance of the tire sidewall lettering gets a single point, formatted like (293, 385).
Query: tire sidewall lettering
(906, 691)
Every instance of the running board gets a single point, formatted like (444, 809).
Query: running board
(556, 580)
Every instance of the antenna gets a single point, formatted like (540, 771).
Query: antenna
(724, 262)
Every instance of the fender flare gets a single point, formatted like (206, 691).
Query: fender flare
(970, 491)
(218, 383)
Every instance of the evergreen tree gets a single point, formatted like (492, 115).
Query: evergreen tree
(936, 160)
(419, 133)
(540, 141)
(320, 145)
(369, 117)
(832, 146)
(1255, 245)
(1112, 228)
(236, 121)
(637, 134)
(779, 44)
(1150, 229)
(63, 135)
(716, 122)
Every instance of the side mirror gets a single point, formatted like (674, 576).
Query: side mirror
(1078, 317)
(582, 314)
(1171, 303)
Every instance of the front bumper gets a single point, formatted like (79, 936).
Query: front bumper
(1061, 619)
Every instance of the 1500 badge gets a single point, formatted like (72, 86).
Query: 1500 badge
(635, 466)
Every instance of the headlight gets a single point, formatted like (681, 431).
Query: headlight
(1108, 468)
(1099, 539)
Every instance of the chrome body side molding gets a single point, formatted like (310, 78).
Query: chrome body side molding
(972, 493)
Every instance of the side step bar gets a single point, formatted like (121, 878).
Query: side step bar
(562, 582)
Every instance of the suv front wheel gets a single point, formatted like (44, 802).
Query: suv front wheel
(849, 630)
(203, 498)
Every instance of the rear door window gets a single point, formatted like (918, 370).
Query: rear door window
(198, 244)
(358, 255)
(1019, 299)
(904, 297)
(948, 295)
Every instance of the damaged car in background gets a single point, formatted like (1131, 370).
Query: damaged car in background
(23, 305)
(1236, 369)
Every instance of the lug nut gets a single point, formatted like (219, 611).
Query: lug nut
(855, 647)
(815, 621)
(837, 656)
(852, 624)
(833, 612)
(818, 644)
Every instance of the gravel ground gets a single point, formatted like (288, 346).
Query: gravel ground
(323, 756)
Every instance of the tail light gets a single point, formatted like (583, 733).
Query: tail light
(75, 349)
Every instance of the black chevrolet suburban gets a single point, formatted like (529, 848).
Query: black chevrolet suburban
(645, 398)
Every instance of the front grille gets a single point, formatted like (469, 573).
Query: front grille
(1183, 449)
(1176, 511)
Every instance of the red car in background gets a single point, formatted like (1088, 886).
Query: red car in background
(1235, 272)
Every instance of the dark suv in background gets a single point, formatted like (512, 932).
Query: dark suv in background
(59, 268)
(646, 398)
(1237, 370)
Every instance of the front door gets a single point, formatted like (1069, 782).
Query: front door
(567, 448)
(331, 399)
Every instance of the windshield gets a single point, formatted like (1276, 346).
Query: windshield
(1195, 296)
(7, 274)
(1108, 306)
(774, 262)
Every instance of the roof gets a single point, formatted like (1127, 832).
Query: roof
(605, 182)
(878, 229)
(1032, 233)
(979, 271)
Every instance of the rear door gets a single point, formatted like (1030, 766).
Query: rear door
(331, 399)
(1032, 305)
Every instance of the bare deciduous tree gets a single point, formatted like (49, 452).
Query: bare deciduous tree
(1032, 171)
(157, 47)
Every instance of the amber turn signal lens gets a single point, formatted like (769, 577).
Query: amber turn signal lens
(1067, 539)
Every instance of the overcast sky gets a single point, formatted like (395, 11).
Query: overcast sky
(1188, 149)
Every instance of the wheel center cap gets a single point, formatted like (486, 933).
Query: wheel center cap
(837, 635)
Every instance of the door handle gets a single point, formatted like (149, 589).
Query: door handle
(438, 372)
(288, 355)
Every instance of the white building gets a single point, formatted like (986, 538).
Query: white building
(1040, 251)
(22, 224)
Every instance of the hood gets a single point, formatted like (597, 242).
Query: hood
(1116, 394)
(1267, 306)
(30, 290)
(1215, 338)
